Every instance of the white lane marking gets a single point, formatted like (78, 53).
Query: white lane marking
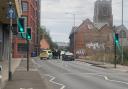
(106, 78)
(52, 81)
(26, 88)
(0, 76)
(38, 63)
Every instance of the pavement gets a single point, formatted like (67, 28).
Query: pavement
(23, 79)
(4, 64)
(121, 68)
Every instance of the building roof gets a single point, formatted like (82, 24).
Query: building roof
(121, 27)
(74, 29)
(99, 25)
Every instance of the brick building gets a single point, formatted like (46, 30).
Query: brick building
(31, 13)
(90, 40)
(44, 44)
(5, 25)
(92, 37)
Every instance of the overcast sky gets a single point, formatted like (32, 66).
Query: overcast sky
(55, 18)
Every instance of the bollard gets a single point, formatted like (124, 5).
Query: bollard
(0, 76)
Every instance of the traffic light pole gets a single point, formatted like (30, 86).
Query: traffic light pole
(115, 54)
(10, 51)
(27, 54)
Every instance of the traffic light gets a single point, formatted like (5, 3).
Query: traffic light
(21, 25)
(116, 38)
(28, 34)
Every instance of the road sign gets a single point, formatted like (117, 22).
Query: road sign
(11, 13)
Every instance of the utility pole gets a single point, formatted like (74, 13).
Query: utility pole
(122, 11)
(74, 21)
(122, 55)
(115, 55)
(74, 35)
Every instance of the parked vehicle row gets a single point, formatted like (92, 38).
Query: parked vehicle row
(48, 54)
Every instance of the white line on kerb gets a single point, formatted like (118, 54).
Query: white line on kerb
(106, 78)
(52, 80)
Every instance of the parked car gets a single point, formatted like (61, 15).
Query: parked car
(46, 54)
(68, 56)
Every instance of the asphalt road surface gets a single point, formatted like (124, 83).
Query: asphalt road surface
(80, 75)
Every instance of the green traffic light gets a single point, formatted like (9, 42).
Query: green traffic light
(29, 37)
(116, 38)
(21, 29)
(117, 41)
(29, 33)
(21, 25)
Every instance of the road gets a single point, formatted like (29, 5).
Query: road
(81, 75)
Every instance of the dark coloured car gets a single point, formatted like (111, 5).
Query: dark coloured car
(68, 56)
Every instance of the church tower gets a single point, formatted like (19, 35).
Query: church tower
(103, 12)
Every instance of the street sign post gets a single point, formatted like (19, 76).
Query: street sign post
(11, 15)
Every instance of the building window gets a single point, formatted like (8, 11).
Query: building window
(105, 11)
(22, 47)
(24, 6)
(122, 34)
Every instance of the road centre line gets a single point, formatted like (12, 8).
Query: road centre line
(52, 81)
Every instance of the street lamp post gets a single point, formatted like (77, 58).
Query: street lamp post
(74, 35)
(74, 19)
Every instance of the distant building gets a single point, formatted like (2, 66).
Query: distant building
(62, 45)
(103, 12)
(123, 35)
(44, 44)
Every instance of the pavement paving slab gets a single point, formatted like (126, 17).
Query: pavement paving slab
(23, 79)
